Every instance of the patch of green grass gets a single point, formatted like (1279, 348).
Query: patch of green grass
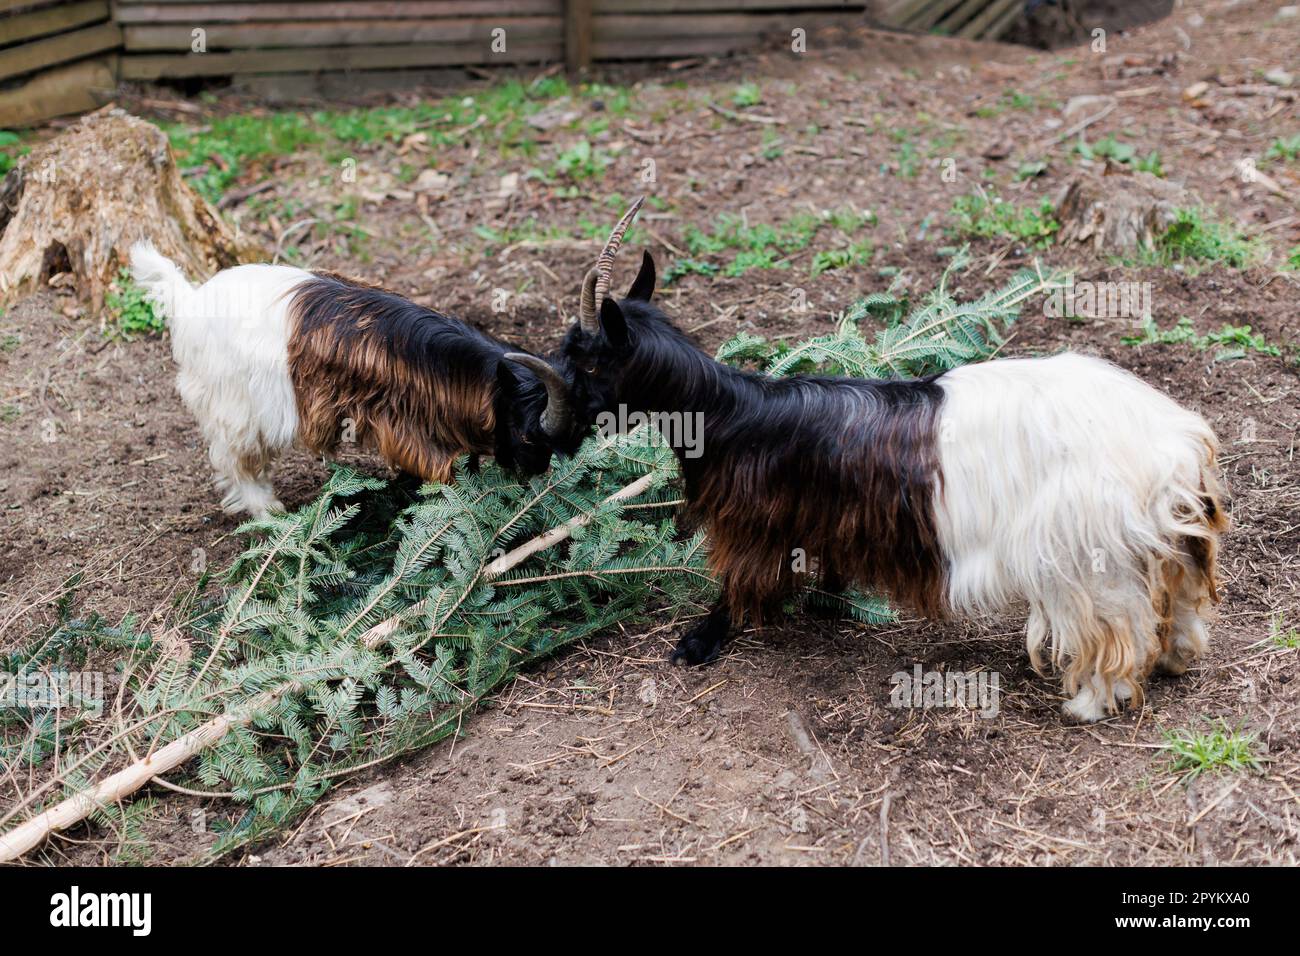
(683, 267)
(1120, 152)
(1010, 100)
(747, 259)
(857, 254)
(747, 94)
(230, 148)
(1282, 637)
(10, 341)
(1106, 148)
(979, 215)
(944, 143)
(580, 162)
(1284, 149)
(1019, 101)
(614, 100)
(773, 147)
(849, 220)
(1028, 170)
(1293, 258)
(1220, 748)
(763, 245)
(1150, 164)
(907, 160)
(350, 238)
(227, 145)
(530, 230)
(1234, 340)
(132, 313)
(10, 150)
(10, 413)
(1194, 236)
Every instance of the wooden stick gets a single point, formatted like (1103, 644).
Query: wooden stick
(1081, 125)
(114, 788)
(501, 565)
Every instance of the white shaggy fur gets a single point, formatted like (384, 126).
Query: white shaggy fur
(229, 340)
(1072, 485)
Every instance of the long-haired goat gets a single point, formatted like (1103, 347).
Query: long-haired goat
(271, 355)
(1063, 482)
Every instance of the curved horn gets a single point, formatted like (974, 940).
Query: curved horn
(605, 263)
(587, 315)
(558, 414)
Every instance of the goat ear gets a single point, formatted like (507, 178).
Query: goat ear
(506, 381)
(644, 285)
(613, 324)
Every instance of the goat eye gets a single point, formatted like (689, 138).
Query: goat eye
(591, 370)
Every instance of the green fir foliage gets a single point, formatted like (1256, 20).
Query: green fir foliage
(372, 621)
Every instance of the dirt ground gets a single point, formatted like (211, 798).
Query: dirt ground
(786, 751)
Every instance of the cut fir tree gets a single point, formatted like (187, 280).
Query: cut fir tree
(371, 622)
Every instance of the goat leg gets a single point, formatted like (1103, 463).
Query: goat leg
(704, 642)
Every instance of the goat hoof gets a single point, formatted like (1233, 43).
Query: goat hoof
(692, 652)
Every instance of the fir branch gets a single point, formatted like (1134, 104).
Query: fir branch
(121, 784)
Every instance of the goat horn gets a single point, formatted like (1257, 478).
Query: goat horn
(558, 415)
(605, 263)
(587, 316)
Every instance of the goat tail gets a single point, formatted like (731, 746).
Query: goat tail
(162, 281)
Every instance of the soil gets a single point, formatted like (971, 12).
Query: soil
(786, 751)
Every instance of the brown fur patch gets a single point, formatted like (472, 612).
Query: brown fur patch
(844, 489)
(363, 357)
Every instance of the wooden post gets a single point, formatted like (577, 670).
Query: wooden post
(577, 35)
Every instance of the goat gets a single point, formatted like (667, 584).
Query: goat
(271, 355)
(1063, 482)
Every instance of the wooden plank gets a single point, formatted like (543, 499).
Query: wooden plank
(893, 13)
(897, 14)
(986, 18)
(83, 86)
(660, 7)
(202, 14)
(70, 46)
(513, 7)
(928, 16)
(1003, 23)
(15, 4)
(321, 59)
(651, 48)
(261, 36)
(577, 35)
(720, 24)
(39, 23)
(960, 16)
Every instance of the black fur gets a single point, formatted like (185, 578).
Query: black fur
(841, 469)
(362, 352)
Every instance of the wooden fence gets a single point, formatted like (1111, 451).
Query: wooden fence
(175, 38)
(55, 58)
(973, 19)
(59, 56)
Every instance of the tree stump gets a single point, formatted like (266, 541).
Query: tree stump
(1119, 212)
(77, 203)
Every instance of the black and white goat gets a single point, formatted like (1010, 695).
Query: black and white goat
(271, 355)
(1065, 483)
